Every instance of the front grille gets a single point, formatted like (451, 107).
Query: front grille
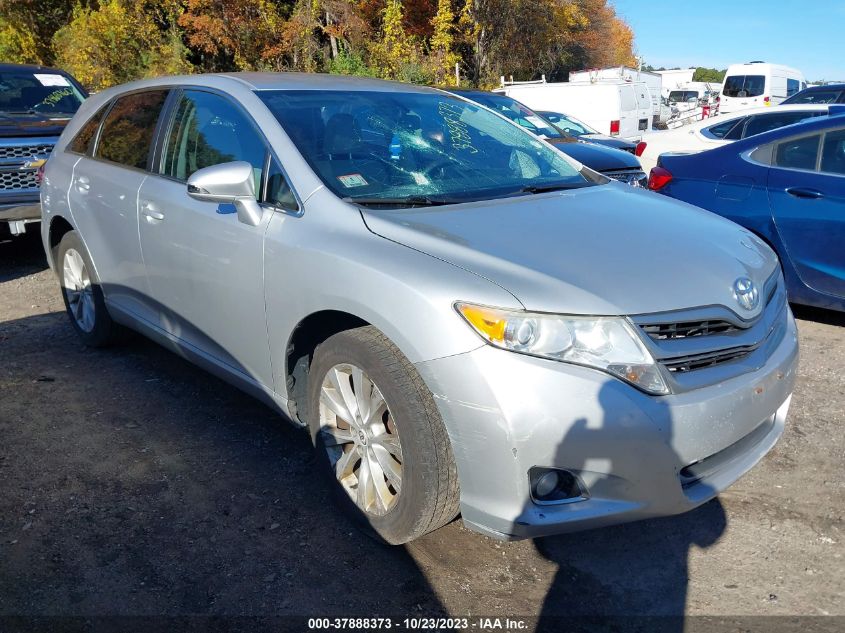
(24, 151)
(667, 331)
(17, 180)
(700, 361)
(633, 177)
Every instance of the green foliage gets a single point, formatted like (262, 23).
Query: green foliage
(347, 63)
(709, 75)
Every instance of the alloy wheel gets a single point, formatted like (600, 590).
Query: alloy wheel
(77, 287)
(361, 439)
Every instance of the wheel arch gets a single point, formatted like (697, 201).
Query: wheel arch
(58, 228)
(309, 333)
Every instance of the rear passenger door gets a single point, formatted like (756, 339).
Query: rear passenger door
(204, 267)
(104, 193)
(807, 194)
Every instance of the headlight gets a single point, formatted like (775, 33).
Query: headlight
(606, 343)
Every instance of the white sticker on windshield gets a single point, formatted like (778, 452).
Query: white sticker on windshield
(353, 180)
(52, 80)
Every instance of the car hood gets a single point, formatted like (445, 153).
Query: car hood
(609, 141)
(608, 249)
(596, 157)
(14, 125)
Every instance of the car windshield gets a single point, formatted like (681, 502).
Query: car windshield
(682, 95)
(518, 113)
(814, 96)
(38, 92)
(744, 86)
(569, 124)
(415, 148)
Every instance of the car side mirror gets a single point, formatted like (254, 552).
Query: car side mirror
(228, 183)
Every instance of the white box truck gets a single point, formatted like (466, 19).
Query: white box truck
(615, 108)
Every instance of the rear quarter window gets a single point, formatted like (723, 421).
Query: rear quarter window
(83, 142)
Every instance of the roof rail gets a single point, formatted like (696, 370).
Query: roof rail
(510, 82)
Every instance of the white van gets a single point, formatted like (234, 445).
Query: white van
(615, 108)
(654, 81)
(758, 84)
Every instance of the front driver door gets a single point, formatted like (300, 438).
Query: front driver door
(807, 194)
(204, 267)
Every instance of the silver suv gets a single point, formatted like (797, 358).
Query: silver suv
(466, 320)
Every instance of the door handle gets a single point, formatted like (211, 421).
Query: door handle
(83, 184)
(149, 210)
(802, 192)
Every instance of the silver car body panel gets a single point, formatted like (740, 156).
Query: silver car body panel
(229, 297)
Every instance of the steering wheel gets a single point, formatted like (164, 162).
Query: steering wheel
(443, 164)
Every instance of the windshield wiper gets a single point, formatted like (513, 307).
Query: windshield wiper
(411, 201)
(556, 187)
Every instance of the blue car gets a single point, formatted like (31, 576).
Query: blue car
(788, 187)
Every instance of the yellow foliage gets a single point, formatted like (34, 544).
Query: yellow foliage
(17, 45)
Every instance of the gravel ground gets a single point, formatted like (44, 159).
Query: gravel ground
(133, 483)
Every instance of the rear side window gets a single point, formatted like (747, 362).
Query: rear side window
(744, 86)
(766, 122)
(83, 142)
(129, 127)
(833, 153)
(798, 153)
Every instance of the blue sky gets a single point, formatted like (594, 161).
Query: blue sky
(805, 34)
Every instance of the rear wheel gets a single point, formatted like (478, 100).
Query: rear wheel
(379, 437)
(82, 293)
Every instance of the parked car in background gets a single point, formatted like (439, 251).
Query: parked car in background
(584, 132)
(722, 130)
(788, 187)
(831, 93)
(35, 105)
(614, 108)
(611, 162)
(464, 318)
(758, 84)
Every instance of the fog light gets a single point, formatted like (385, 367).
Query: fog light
(546, 484)
(551, 485)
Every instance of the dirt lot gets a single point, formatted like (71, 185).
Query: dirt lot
(132, 483)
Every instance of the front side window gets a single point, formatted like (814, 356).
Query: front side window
(792, 87)
(82, 143)
(799, 153)
(744, 86)
(401, 147)
(833, 153)
(129, 128)
(37, 92)
(278, 193)
(767, 122)
(207, 130)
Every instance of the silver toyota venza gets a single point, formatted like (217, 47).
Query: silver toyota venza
(466, 320)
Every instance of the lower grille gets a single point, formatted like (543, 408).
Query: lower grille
(700, 361)
(14, 180)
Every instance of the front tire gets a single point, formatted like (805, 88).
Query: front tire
(379, 437)
(82, 294)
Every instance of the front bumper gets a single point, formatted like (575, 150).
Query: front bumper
(506, 413)
(27, 209)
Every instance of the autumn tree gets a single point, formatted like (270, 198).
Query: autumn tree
(442, 55)
(118, 42)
